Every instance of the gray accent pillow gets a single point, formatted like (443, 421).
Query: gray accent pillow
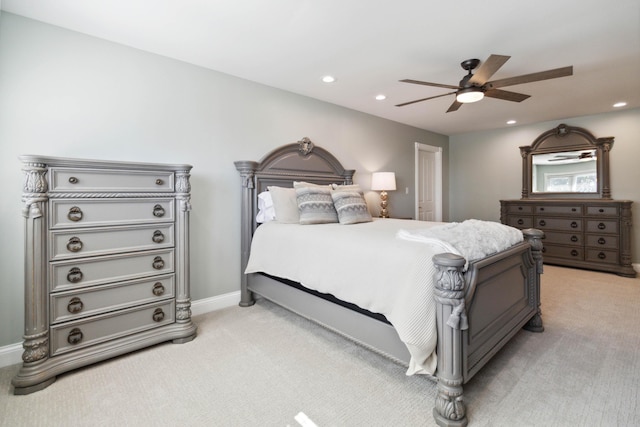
(315, 204)
(351, 206)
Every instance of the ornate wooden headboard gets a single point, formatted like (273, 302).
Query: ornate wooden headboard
(300, 161)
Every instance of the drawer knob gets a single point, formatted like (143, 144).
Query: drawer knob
(158, 289)
(158, 237)
(158, 211)
(601, 210)
(158, 263)
(602, 241)
(602, 255)
(73, 180)
(602, 226)
(574, 224)
(573, 209)
(74, 275)
(75, 336)
(542, 223)
(74, 244)
(574, 238)
(519, 208)
(574, 253)
(158, 315)
(75, 214)
(520, 221)
(75, 305)
(159, 181)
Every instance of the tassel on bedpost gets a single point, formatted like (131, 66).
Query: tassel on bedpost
(247, 220)
(451, 319)
(534, 237)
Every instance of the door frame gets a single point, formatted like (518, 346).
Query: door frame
(437, 177)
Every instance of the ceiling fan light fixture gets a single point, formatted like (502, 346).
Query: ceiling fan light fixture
(469, 94)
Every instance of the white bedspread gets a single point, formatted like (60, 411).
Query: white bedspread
(365, 264)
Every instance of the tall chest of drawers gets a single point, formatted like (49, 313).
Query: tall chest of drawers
(106, 262)
(591, 234)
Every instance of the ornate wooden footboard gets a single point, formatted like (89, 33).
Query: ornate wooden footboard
(478, 311)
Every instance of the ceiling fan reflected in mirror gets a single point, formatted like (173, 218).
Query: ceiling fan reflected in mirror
(474, 87)
(569, 156)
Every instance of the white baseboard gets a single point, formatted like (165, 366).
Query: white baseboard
(12, 354)
(636, 267)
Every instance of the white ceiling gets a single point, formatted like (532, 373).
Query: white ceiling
(368, 45)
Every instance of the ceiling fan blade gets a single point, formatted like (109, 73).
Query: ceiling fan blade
(506, 95)
(533, 77)
(454, 106)
(418, 82)
(423, 99)
(488, 69)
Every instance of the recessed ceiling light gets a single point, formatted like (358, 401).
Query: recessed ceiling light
(328, 79)
(511, 122)
(619, 104)
(381, 97)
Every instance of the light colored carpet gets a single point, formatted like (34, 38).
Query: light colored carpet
(261, 366)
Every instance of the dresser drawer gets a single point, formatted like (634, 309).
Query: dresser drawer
(519, 209)
(566, 252)
(82, 333)
(98, 212)
(562, 238)
(106, 180)
(602, 210)
(559, 210)
(602, 256)
(79, 273)
(602, 226)
(71, 305)
(520, 221)
(559, 224)
(605, 242)
(66, 244)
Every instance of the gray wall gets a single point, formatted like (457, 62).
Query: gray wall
(476, 191)
(66, 94)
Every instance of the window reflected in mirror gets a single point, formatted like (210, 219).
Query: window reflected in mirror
(565, 172)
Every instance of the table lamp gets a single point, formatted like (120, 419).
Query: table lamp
(383, 182)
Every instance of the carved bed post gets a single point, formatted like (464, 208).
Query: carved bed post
(451, 319)
(247, 170)
(534, 238)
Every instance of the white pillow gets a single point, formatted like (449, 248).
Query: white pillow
(285, 204)
(266, 212)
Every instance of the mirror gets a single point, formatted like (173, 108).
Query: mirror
(566, 162)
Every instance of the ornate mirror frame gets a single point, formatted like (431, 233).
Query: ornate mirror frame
(562, 139)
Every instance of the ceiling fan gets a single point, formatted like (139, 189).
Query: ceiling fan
(473, 87)
(580, 156)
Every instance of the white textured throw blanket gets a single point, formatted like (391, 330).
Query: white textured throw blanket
(472, 239)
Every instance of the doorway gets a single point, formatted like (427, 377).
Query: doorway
(428, 182)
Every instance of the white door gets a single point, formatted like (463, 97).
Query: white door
(428, 182)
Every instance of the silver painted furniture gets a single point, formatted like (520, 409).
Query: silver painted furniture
(106, 262)
(478, 311)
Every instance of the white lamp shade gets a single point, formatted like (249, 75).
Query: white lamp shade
(383, 181)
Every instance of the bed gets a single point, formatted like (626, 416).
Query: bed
(477, 306)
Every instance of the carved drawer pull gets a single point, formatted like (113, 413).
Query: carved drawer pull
(602, 226)
(519, 208)
(158, 263)
(520, 221)
(158, 237)
(541, 209)
(602, 241)
(75, 214)
(75, 305)
(601, 210)
(573, 209)
(74, 275)
(574, 253)
(544, 250)
(602, 255)
(574, 238)
(73, 180)
(542, 223)
(158, 211)
(158, 289)
(159, 181)
(574, 224)
(158, 315)
(75, 336)
(74, 244)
